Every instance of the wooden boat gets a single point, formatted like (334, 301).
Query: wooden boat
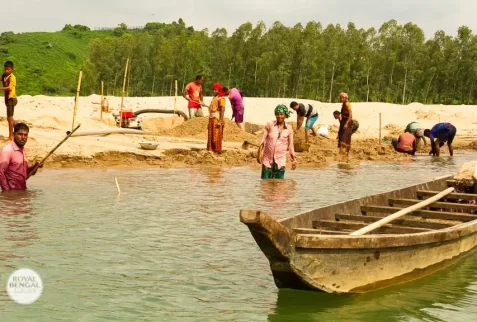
(357, 246)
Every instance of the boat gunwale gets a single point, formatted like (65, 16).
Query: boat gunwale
(371, 241)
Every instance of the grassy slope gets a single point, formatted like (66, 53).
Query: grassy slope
(49, 71)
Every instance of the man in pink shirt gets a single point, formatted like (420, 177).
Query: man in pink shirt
(405, 144)
(193, 93)
(276, 142)
(14, 169)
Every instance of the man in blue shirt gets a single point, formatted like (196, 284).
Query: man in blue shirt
(302, 112)
(441, 133)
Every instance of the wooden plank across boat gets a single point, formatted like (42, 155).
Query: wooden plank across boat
(373, 242)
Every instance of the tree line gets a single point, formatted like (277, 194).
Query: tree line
(394, 63)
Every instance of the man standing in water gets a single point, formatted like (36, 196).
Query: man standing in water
(276, 143)
(345, 130)
(236, 100)
(193, 93)
(14, 169)
(302, 112)
(441, 133)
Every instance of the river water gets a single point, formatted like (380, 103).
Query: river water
(171, 247)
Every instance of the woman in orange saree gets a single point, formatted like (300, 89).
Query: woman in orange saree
(216, 120)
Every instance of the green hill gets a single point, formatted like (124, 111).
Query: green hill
(48, 62)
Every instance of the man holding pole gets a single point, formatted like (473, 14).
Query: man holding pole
(14, 169)
(193, 93)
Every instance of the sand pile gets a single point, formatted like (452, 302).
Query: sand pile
(424, 115)
(364, 150)
(394, 129)
(160, 124)
(196, 128)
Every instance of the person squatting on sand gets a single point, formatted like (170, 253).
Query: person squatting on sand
(193, 93)
(302, 112)
(406, 143)
(216, 120)
(345, 131)
(277, 140)
(441, 133)
(14, 169)
(9, 83)
(236, 100)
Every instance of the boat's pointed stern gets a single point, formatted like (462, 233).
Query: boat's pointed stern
(278, 245)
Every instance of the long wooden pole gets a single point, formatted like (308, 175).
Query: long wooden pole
(175, 97)
(102, 98)
(76, 100)
(69, 134)
(129, 78)
(402, 212)
(124, 89)
(380, 128)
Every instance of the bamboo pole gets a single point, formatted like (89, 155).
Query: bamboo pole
(68, 135)
(124, 89)
(401, 213)
(101, 104)
(129, 78)
(380, 128)
(76, 100)
(175, 97)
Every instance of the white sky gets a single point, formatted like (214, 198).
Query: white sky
(52, 15)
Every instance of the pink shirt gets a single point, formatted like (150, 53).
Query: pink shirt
(13, 167)
(277, 144)
(236, 99)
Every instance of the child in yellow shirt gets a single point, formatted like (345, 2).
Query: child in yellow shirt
(9, 82)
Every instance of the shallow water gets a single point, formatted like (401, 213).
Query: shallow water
(172, 248)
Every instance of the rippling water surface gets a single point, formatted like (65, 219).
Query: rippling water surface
(172, 248)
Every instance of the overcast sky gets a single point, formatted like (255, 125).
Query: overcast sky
(52, 15)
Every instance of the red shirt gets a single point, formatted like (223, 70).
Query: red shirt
(194, 91)
(406, 143)
(13, 167)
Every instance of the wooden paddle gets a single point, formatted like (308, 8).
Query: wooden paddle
(402, 212)
(51, 152)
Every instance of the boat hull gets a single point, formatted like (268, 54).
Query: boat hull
(302, 259)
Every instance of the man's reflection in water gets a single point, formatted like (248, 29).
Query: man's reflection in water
(16, 222)
(277, 192)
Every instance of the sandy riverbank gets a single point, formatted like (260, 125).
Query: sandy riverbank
(182, 143)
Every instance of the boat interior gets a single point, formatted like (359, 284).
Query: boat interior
(458, 207)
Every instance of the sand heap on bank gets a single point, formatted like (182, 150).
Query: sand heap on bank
(196, 128)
